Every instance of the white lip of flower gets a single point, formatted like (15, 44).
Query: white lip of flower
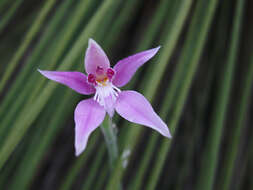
(103, 90)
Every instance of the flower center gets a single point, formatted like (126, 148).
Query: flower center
(105, 91)
(102, 82)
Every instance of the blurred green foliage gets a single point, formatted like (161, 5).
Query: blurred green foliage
(200, 83)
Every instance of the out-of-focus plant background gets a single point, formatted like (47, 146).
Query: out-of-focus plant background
(200, 83)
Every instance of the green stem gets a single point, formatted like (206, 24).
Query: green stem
(109, 132)
(111, 140)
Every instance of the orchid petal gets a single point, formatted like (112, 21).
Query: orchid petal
(126, 68)
(88, 116)
(75, 80)
(95, 58)
(135, 107)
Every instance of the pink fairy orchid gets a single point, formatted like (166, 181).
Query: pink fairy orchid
(105, 81)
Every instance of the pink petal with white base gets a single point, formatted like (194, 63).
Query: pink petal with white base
(75, 80)
(126, 68)
(134, 107)
(88, 116)
(95, 58)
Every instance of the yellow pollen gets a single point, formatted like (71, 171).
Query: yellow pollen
(103, 82)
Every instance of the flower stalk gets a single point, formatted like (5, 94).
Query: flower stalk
(110, 135)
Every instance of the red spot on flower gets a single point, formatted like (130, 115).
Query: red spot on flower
(91, 79)
(110, 73)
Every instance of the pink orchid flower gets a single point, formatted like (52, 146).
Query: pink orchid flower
(105, 81)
